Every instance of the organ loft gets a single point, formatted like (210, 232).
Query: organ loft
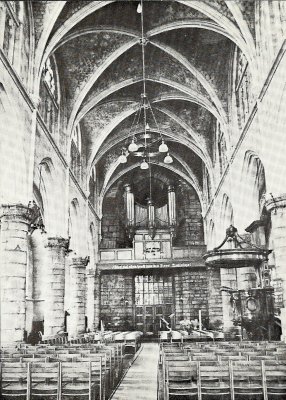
(142, 198)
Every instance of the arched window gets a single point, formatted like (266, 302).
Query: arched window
(15, 35)
(242, 80)
(91, 186)
(75, 153)
(222, 154)
(49, 77)
(49, 96)
(207, 185)
(10, 21)
(254, 185)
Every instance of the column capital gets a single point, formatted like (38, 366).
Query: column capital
(273, 203)
(15, 211)
(79, 261)
(57, 242)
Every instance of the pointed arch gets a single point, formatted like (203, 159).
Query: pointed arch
(254, 183)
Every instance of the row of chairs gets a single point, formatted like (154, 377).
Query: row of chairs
(57, 380)
(75, 370)
(130, 339)
(231, 379)
(240, 351)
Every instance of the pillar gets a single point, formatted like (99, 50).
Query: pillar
(77, 296)
(215, 298)
(90, 299)
(97, 287)
(14, 257)
(55, 285)
(93, 299)
(277, 207)
(228, 279)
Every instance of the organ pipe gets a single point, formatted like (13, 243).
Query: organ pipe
(151, 218)
(172, 205)
(130, 208)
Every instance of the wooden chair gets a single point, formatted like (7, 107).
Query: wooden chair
(76, 380)
(231, 357)
(263, 357)
(99, 373)
(180, 379)
(274, 376)
(204, 357)
(45, 381)
(214, 380)
(247, 379)
(11, 359)
(15, 380)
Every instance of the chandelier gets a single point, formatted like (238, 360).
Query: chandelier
(147, 144)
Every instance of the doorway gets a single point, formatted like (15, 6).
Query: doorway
(154, 301)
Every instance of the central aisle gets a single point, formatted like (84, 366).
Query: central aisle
(140, 382)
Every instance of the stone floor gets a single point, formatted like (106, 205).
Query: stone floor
(140, 382)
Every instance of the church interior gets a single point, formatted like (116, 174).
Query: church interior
(142, 197)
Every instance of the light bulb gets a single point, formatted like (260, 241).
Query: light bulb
(168, 159)
(144, 164)
(147, 127)
(139, 8)
(163, 148)
(133, 146)
(122, 159)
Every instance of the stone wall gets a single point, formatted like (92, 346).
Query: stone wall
(113, 234)
(116, 295)
(191, 295)
(190, 225)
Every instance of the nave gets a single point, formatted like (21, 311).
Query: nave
(95, 370)
(142, 192)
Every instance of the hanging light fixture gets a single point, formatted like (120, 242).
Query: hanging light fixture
(133, 146)
(163, 148)
(143, 144)
(168, 159)
(122, 158)
(144, 164)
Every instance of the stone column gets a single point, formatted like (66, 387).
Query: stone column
(90, 299)
(97, 287)
(228, 279)
(277, 207)
(14, 257)
(55, 285)
(77, 295)
(215, 297)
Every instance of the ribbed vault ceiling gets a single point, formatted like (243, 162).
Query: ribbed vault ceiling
(189, 59)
